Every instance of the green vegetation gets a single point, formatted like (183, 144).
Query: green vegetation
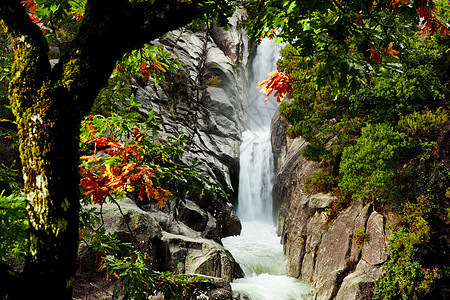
(360, 237)
(56, 56)
(384, 138)
(370, 169)
(13, 226)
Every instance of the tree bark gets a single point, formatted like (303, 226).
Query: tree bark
(49, 105)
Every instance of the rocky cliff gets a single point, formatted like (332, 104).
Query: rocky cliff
(206, 101)
(323, 252)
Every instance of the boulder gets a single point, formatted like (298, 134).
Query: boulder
(360, 284)
(376, 249)
(199, 256)
(209, 288)
(313, 237)
(321, 200)
(169, 243)
(211, 116)
(333, 253)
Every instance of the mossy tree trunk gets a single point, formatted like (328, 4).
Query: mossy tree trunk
(49, 104)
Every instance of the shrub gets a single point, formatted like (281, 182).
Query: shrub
(360, 237)
(407, 277)
(423, 125)
(321, 182)
(315, 152)
(213, 81)
(13, 227)
(370, 169)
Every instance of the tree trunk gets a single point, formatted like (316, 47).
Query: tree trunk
(48, 146)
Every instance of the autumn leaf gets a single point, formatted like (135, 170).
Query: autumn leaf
(100, 179)
(278, 82)
(93, 189)
(153, 66)
(392, 51)
(430, 23)
(377, 55)
(395, 2)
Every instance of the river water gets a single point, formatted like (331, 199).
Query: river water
(258, 249)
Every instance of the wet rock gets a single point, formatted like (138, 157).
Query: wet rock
(199, 256)
(210, 288)
(182, 250)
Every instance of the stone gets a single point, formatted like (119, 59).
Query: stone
(145, 234)
(331, 259)
(360, 222)
(192, 215)
(376, 250)
(210, 288)
(313, 238)
(199, 256)
(360, 284)
(321, 200)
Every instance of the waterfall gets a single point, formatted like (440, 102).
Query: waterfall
(256, 160)
(256, 177)
(258, 249)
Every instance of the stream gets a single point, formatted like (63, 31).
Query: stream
(258, 249)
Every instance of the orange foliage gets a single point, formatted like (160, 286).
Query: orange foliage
(376, 55)
(100, 179)
(153, 66)
(395, 2)
(429, 21)
(279, 82)
(32, 9)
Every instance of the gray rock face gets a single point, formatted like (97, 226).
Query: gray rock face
(360, 283)
(323, 253)
(206, 100)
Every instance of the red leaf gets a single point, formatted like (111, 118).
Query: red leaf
(278, 82)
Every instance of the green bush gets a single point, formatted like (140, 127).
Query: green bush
(321, 182)
(369, 169)
(360, 237)
(13, 227)
(407, 277)
(423, 126)
(318, 113)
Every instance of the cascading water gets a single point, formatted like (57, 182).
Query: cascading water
(258, 249)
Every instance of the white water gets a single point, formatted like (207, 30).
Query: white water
(258, 249)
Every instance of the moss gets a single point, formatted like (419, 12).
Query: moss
(71, 73)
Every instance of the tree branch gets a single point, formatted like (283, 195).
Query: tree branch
(109, 29)
(8, 124)
(31, 65)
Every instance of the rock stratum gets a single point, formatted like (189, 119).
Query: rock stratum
(322, 252)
